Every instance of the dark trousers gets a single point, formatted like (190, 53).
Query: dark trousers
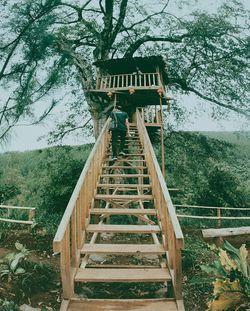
(116, 134)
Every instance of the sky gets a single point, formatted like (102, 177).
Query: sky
(29, 137)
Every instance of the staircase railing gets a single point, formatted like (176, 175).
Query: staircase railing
(70, 235)
(173, 240)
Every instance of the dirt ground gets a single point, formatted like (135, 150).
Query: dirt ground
(40, 245)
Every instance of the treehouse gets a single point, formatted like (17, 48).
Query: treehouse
(135, 83)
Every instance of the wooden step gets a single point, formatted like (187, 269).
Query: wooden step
(123, 249)
(132, 197)
(122, 275)
(124, 175)
(128, 186)
(122, 211)
(127, 155)
(124, 228)
(127, 160)
(121, 305)
(128, 167)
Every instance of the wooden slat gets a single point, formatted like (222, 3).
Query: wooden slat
(129, 167)
(122, 275)
(17, 207)
(123, 305)
(122, 249)
(122, 211)
(24, 222)
(212, 233)
(124, 175)
(123, 197)
(124, 186)
(124, 228)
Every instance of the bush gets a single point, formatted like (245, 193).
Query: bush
(232, 279)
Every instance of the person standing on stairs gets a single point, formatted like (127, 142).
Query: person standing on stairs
(120, 118)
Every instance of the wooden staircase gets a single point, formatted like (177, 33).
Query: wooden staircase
(115, 205)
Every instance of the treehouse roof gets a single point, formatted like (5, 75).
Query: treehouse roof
(132, 64)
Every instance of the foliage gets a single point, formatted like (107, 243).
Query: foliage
(38, 278)
(232, 278)
(11, 266)
(206, 171)
(7, 305)
(51, 45)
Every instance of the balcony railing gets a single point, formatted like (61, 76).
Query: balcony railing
(151, 115)
(125, 81)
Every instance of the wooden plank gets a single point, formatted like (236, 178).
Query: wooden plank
(124, 175)
(122, 211)
(122, 249)
(122, 275)
(119, 266)
(212, 233)
(135, 186)
(123, 305)
(17, 207)
(129, 167)
(124, 228)
(132, 197)
(23, 222)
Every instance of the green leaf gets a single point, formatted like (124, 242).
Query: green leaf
(20, 271)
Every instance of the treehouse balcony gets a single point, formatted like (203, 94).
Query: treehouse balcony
(129, 82)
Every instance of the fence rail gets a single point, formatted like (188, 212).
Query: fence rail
(219, 210)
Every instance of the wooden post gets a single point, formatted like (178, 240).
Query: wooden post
(162, 140)
(219, 217)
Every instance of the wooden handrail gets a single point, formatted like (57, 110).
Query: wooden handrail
(70, 235)
(173, 240)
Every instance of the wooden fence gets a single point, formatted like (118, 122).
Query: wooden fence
(30, 214)
(219, 209)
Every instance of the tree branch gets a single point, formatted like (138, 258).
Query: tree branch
(227, 106)
(135, 45)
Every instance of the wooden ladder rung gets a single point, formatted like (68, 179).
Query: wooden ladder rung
(122, 275)
(122, 211)
(123, 249)
(124, 228)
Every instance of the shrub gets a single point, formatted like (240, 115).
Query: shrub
(232, 279)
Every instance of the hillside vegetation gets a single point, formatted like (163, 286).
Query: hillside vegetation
(206, 170)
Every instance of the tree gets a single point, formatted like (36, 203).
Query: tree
(49, 46)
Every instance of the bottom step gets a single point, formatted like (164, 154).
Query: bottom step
(120, 304)
(122, 275)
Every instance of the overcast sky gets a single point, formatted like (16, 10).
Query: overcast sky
(26, 137)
